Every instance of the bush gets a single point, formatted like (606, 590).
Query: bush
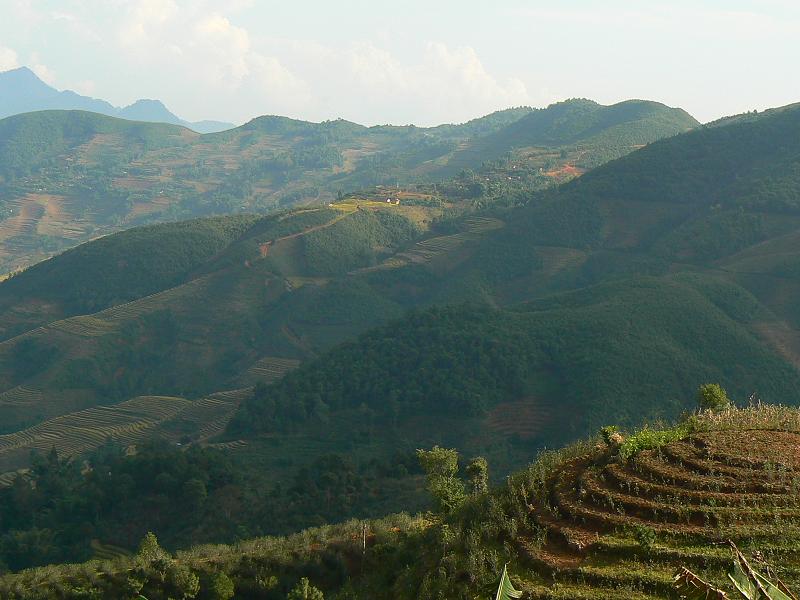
(648, 439)
(222, 587)
(711, 396)
(611, 435)
(305, 591)
(645, 536)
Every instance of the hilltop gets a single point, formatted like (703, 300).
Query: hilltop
(590, 133)
(22, 91)
(70, 176)
(610, 519)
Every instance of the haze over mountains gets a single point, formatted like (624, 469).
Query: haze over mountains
(22, 91)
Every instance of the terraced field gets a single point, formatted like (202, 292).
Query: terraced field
(37, 214)
(81, 431)
(604, 527)
(525, 418)
(127, 423)
(271, 368)
(21, 396)
(204, 418)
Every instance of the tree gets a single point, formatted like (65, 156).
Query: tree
(711, 396)
(221, 587)
(305, 591)
(195, 493)
(478, 471)
(149, 549)
(441, 469)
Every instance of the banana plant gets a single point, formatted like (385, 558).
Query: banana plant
(750, 584)
(506, 591)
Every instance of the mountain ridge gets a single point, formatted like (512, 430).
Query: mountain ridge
(22, 91)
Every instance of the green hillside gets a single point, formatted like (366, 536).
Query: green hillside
(35, 141)
(632, 348)
(588, 132)
(612, 517)
(70, 176)
(531, 323)
(297, 284)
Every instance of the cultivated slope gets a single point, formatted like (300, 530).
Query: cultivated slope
(588, 300)
(69, 176)
(593, 521)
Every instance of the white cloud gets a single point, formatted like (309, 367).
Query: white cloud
(460, 71)
(224, 48)
(8, 59)
(211, 56)
(42, 71)
(229, 71)
(371, 84)
(145, 19)
(87, 87)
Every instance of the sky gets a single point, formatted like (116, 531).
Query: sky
(408, 61)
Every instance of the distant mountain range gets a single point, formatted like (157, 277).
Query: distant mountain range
(21, 91)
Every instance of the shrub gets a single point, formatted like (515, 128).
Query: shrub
(648, 439)
(611, 436)
(644, 536)
(441, 470)
(222, 587)
(149, 549)
(711, 396)
(305, 591)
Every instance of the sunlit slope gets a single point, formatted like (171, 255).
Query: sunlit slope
(602, 519)
(257, 295)
(208, 307)
(588, 133)
(69, 176)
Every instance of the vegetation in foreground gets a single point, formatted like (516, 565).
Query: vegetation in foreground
(586, 522)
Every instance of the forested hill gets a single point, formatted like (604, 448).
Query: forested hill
(703, 201)
(594, 133)
(298, 283)
(630, 348)
(69, 176)
(749, 162)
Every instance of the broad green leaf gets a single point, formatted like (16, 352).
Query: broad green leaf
(505, 590)
(746, 587)
(772, 590)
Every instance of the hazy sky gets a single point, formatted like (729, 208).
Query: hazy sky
(407, 61)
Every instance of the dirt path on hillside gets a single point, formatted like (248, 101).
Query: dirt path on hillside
(315, 228)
